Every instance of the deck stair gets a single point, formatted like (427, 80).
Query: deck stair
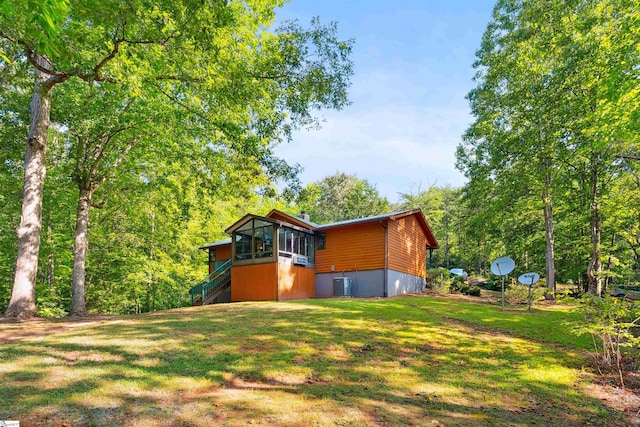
(216, 283)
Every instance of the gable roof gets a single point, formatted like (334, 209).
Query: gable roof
(239, 223)
(301, 225)
(294, 219)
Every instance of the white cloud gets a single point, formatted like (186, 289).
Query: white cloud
(394, 148)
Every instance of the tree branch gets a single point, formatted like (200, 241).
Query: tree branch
(99, 154)
(118, 161)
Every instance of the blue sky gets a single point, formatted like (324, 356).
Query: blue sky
(413, 68)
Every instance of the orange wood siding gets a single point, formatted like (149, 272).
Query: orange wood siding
(352, 247)
(407, 246)
(296, 282)
(223, 252)
(257, 282)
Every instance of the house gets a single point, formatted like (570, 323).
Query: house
(282, 256)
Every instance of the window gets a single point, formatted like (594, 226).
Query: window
(321, 238)
(295, 242)
(263, 241)
(243, 244)
(254, 240)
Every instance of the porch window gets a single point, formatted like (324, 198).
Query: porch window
(254, 240)
(294, 242)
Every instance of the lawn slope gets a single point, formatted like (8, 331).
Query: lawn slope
(416, 360)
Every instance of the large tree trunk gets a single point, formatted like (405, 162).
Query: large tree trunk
(594, 272)
(549, 251)
(22, 303)
(78, 303)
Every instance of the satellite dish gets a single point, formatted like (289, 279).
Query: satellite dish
(528, 279)
(502, 266)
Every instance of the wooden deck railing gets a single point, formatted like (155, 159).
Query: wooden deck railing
(217, 280)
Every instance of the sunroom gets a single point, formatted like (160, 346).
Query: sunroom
(271, 260)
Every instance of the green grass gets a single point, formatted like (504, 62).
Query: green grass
(347, 362)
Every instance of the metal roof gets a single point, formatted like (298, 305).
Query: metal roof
(320, 227)
(217, 243)
(364, 219)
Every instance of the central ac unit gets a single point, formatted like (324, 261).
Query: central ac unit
(300, 260)
(342, 286)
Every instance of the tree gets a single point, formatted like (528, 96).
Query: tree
(243, 86)
(444, 210)
(554, 81)
(340, 197)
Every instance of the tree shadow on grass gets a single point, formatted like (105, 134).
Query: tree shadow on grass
(359, 362)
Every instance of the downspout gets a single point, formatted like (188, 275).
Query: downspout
(386, 258)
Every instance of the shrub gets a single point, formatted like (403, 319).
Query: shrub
(438, 280)
(472, 290)
(441, 287)
(519, 294)
(48, 308)
(437, 274)
(495, 284)
(457, 285)
(613, 324)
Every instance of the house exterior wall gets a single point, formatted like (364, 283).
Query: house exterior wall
(352, 248)
(254, 282)
(223, 253)
(295, 282)
(367, 283)
(399, 283)
(407, 246)
(225, 296)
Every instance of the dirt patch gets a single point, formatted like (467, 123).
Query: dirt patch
(626, 400)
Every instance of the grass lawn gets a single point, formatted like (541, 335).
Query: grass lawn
(417, 360)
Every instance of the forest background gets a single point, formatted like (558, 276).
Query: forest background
(170, 159)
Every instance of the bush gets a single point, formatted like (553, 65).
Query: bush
(613, 324)
(457, 285)
(519, 294)
(495, 284)
(48, 308)
(437, 274)
(472, 290)
(441, 287)
(438, 280)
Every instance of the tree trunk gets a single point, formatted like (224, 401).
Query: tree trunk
(446, 241)
(22, 303)
(51, 262)
(78, 303)
(594, 272)
(549, 250)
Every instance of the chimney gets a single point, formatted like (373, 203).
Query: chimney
(304, 216)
